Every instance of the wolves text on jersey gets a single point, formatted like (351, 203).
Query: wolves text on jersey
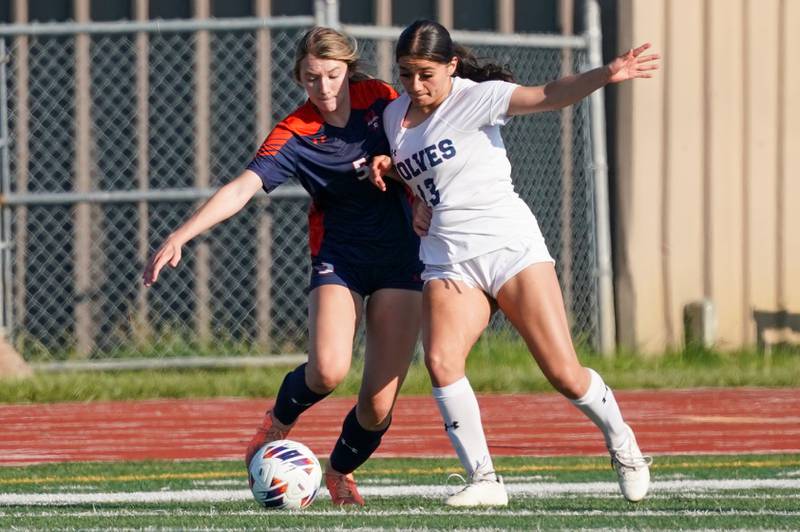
(428, 157)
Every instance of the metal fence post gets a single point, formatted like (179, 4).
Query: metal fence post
(326, 13)
(384, 55)
(11, 362)
(566, 12)
(6, 317)
(602, 215)
(505, 16)
(22, 156)
(84, 326)
(202, 134)
(264, 229)
(263, 9)
(141, 322)
(444, 13)
(264, 282)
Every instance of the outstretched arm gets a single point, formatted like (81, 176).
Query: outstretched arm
(225, 202)
(571, 89)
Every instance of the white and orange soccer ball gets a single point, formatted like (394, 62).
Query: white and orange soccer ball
(285, 474)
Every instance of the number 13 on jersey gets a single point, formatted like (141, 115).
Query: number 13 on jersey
(432, 196)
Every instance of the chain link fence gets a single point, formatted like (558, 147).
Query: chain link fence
(117, 132)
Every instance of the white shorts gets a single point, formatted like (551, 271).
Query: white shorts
(490, 271)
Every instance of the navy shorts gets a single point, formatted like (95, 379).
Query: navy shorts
(365, 279)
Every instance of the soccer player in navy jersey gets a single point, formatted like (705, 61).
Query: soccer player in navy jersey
(364, 253)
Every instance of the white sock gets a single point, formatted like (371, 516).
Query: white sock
(599, 405)
(462, 420)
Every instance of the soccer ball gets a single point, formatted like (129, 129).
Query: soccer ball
(285, 474)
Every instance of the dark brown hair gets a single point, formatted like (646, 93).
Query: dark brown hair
(426, 39)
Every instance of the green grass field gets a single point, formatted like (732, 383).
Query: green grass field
(753, 492)
(497, 364)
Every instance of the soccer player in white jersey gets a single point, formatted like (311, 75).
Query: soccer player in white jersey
(483, 244)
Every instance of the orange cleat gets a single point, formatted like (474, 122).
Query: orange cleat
(342, 488)
(270, 430)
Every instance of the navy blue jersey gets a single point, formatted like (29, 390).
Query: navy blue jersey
(349, 218)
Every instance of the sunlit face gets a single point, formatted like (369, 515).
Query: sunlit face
(325, 82)
(426, 82)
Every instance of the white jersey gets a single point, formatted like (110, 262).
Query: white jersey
(456, 161)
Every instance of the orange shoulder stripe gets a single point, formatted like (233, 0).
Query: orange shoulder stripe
(364, 93)
(304, 121)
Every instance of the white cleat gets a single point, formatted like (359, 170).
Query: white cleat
(480, 491)
(633, 469)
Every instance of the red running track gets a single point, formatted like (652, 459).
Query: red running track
(744, 420)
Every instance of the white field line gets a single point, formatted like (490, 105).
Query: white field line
(427, 491)
(605, 495)
(488, 512)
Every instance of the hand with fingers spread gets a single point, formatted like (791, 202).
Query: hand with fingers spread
(421, 217)
(168, 253)
(633, 64)
(378, 168)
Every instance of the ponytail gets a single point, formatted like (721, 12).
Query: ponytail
(471, 68)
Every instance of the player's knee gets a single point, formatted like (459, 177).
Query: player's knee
(324, 378)
(568, 381)
(374, 413)
(443, 365)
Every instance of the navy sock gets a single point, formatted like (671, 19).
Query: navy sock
(294, 396)
(355, 445)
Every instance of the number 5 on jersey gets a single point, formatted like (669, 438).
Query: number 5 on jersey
(361, 168)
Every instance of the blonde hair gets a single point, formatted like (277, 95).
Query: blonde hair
(327, 43)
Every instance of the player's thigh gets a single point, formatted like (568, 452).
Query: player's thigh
(392, 324)
(333, 315)
(532, 302)
(454, 314)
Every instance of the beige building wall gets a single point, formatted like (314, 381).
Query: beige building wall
(789, 160)
(709, 170)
